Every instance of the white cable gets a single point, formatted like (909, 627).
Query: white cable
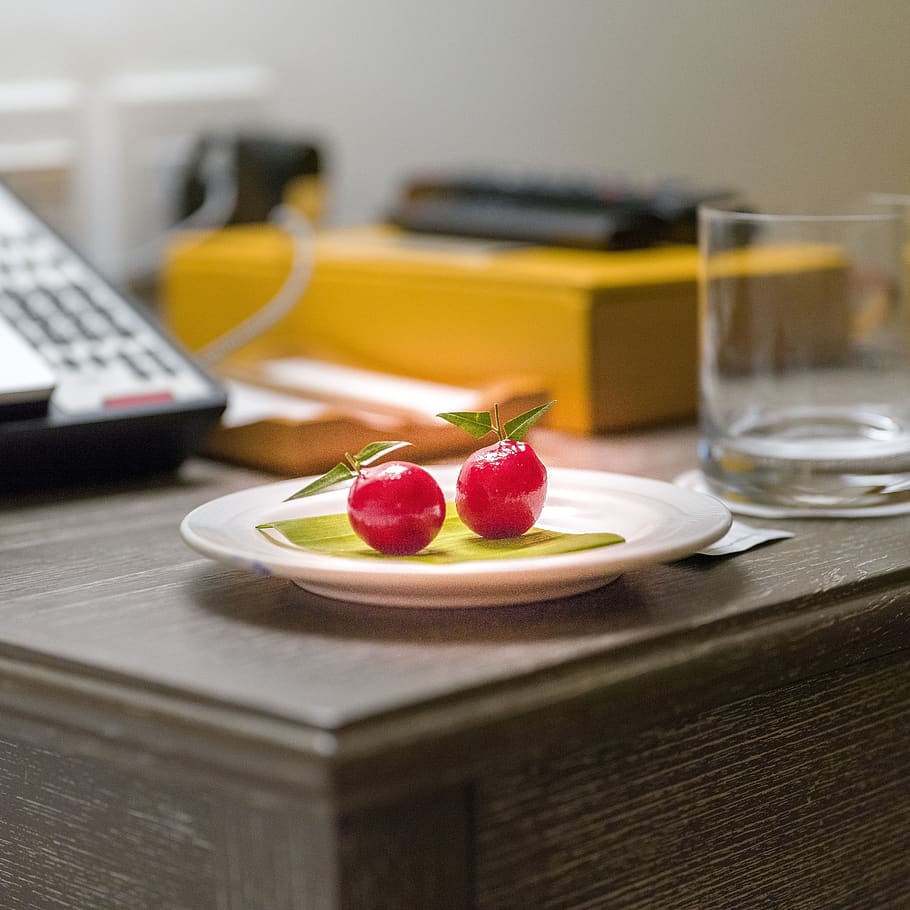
(299, 229)
(218, 172)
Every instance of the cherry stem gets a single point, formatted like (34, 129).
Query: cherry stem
(352, 461)
(496, 424)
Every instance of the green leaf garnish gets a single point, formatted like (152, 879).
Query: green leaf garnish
(369, 453)
(340, 472)
(479, 423)
(331, 535)
(517, 427)
(347, 471)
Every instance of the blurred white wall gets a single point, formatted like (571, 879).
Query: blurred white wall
(789, 98)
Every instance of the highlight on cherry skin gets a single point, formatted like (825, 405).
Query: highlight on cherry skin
(501, 488)
(396, 508)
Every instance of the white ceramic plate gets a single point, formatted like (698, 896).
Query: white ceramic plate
(660, 522)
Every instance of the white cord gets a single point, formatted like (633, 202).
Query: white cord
(218, 171)
(300, 231)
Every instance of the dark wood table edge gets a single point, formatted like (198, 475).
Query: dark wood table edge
(639, 685)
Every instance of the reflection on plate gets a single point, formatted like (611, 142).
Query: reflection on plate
(660, 522)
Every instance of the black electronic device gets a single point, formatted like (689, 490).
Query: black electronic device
(264, 167)
(90, 385)
(570, 213)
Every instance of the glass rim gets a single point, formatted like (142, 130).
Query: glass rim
(721, 213)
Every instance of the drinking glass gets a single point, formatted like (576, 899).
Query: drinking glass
(804, 360)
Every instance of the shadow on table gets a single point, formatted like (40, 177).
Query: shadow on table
(621, 608)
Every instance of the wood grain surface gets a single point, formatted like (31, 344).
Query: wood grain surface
(796, 799)
(710, 733)
(97, 585)
(110, 829)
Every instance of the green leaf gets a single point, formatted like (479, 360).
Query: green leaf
(369, 454)
(477, 423)
(331, 535)
(339, 473)
(517, 427)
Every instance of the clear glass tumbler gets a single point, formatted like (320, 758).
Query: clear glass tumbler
(805, 359)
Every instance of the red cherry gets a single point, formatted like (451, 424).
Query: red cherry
(396, 508)
(501, 489)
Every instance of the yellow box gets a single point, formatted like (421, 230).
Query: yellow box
(613, 335)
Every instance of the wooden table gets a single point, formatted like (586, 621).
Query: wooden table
(727, 732)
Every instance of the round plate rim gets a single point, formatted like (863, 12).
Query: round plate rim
(700, 519)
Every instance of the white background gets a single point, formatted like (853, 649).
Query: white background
(790, 98)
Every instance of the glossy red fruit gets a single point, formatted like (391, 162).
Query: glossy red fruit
(396, 508)
(501, 489)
